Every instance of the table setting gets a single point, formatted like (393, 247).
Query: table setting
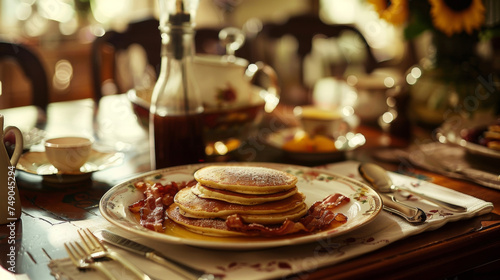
(117, 188)
(370, 232)
(275, 261)
(373, 229)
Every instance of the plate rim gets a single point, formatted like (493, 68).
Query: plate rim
(453, 135)
(480, 150)
(79, 173)
(149, 234)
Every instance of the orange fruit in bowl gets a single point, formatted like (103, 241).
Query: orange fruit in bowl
(302, 142)
(324, 143)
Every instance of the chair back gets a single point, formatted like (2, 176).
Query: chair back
(33, 69)
(105, 50)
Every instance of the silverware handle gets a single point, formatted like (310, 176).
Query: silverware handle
(447, 205)
(130, 266)
(179, 268)
(409, 213)
(101, 268)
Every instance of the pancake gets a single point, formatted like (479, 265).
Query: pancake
(494, 145)
(240, 198)
(195, 206)
(212, 227)
(492, 135)
(264, 219)
(494, 128)
(257, 195)
(245, 179)
(276, 218)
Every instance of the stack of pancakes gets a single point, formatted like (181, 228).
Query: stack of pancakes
(492, 135)
(257, 194)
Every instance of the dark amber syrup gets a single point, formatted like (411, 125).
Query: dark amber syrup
(178, 140)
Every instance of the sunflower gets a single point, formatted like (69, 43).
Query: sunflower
(393, 11)
(455, 16)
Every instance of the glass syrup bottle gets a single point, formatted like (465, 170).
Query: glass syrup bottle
(176, 114)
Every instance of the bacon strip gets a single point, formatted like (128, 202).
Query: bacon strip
(234, 222)
(319, 216)
(158, 197)
(136, 207)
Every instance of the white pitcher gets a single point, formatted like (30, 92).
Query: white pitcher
(227, 83)
(10, 202)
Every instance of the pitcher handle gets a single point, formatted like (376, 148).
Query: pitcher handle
(273, 90)
(18, 149)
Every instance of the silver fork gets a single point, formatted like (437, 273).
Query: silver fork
(97, 250)
(79, 258)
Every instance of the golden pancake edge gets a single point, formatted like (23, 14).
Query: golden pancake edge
(245, 179)
(256, 194)
(240, 198)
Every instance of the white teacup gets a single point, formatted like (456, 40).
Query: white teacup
(319, 121)
(227, 81)
(68, 154)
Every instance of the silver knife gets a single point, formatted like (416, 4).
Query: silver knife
(409, 213)
(132, 246)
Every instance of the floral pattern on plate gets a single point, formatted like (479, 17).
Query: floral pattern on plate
(316, 184)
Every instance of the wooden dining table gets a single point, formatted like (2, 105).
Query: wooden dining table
(51, 215)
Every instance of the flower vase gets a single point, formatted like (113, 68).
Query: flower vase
(452, 80)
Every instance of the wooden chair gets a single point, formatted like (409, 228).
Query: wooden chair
(33, 69)
(304, 28)
(144, 33)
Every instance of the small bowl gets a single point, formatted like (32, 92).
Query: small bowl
(68, 154)
(220, 124)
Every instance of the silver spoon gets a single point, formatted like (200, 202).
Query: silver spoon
(382, 182)
(390, 204)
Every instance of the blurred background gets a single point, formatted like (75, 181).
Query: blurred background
(384, 52)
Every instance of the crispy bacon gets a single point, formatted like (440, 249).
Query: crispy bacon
(136, 207)
(152, 216)
(234, 222)
(158, 197)
(319, 216)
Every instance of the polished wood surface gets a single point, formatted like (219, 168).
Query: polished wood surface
(458, 249)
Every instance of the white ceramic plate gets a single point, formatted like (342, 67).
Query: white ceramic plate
(364, 205)
(477, 149)
(37, 163)
(453, 132)
(347, 143)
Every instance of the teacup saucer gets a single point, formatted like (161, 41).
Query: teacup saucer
(37, 163)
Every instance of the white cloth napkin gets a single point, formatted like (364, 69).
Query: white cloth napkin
(449, 160)
(301, 259)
